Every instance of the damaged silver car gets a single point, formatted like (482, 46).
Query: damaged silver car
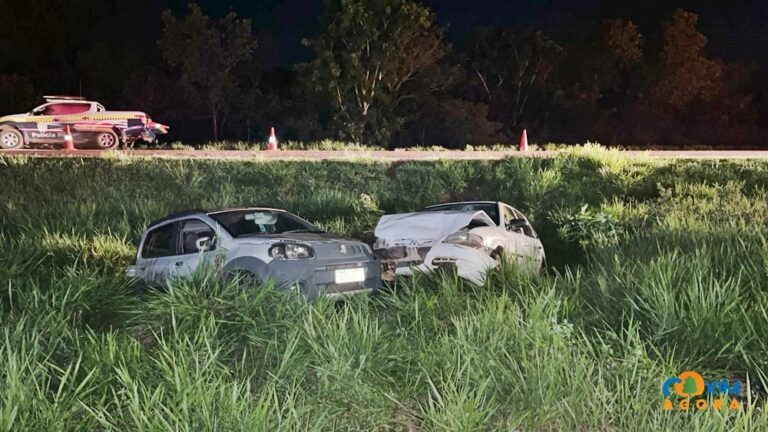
(258, 244)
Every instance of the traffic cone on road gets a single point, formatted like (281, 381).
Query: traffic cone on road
(272, 143)
(69, 143)
(524, 141)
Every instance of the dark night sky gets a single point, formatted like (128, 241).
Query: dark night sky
(737, 30)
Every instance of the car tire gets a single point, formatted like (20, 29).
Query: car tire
(11, 139)
(244, 279)
(106, 140)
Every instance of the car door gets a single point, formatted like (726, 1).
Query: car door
(517, 242)
(52, 118)
(197, 242)
(532, 249)
(46, 131)
(158, 252)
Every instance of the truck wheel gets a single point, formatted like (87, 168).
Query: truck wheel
(107, 140)
(11, 139)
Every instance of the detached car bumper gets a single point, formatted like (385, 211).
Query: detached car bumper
(332, 278)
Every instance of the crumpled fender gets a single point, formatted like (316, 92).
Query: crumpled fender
(471, 264)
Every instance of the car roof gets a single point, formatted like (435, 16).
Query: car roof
(176, 215)
(462, 202)
(202, 212)
(66, 99)
(246, 209)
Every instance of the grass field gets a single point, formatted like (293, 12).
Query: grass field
(657, 267)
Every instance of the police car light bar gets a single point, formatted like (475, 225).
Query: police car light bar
(73, 98)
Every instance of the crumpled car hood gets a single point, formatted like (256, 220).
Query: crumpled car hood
(425, 227)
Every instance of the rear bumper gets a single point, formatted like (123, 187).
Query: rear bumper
(317, 277)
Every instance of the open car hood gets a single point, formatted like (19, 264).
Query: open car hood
(425, 227)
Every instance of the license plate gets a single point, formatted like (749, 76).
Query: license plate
(350, 275)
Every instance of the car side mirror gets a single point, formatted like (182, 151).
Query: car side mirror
(204, 244)
(517, 225)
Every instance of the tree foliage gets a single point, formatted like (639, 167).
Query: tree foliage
(686, 73)
(205, 51)
(371, 57)
(624, 42)
(513, 70)
(382, 73)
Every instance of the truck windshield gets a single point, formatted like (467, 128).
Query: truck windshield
(243, 223)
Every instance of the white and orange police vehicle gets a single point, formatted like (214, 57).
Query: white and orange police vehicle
(89, 123)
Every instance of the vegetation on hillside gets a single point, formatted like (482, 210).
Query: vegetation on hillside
(657, 267)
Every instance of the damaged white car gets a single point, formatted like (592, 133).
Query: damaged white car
(466, 237)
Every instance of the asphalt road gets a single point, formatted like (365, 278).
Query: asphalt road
(374, 155)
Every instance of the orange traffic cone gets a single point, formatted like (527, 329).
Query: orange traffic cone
(272, 143)
(69, 143)
(524, 141)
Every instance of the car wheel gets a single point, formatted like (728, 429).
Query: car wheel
(244, 279)
(107, 140)
(11, 139)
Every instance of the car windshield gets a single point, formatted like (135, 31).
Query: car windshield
(243, 223)
(489, 208)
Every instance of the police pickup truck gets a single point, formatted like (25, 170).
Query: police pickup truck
(89, 123)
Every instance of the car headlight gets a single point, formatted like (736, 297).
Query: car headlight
(291, 251)
(465, 239)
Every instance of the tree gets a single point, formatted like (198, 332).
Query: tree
(205, 51)
(600, 76)
(624, 42)
(371, 57)
(686, 73)
(695, 99)
(454, 123)
(105, 70)
(512, 68)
